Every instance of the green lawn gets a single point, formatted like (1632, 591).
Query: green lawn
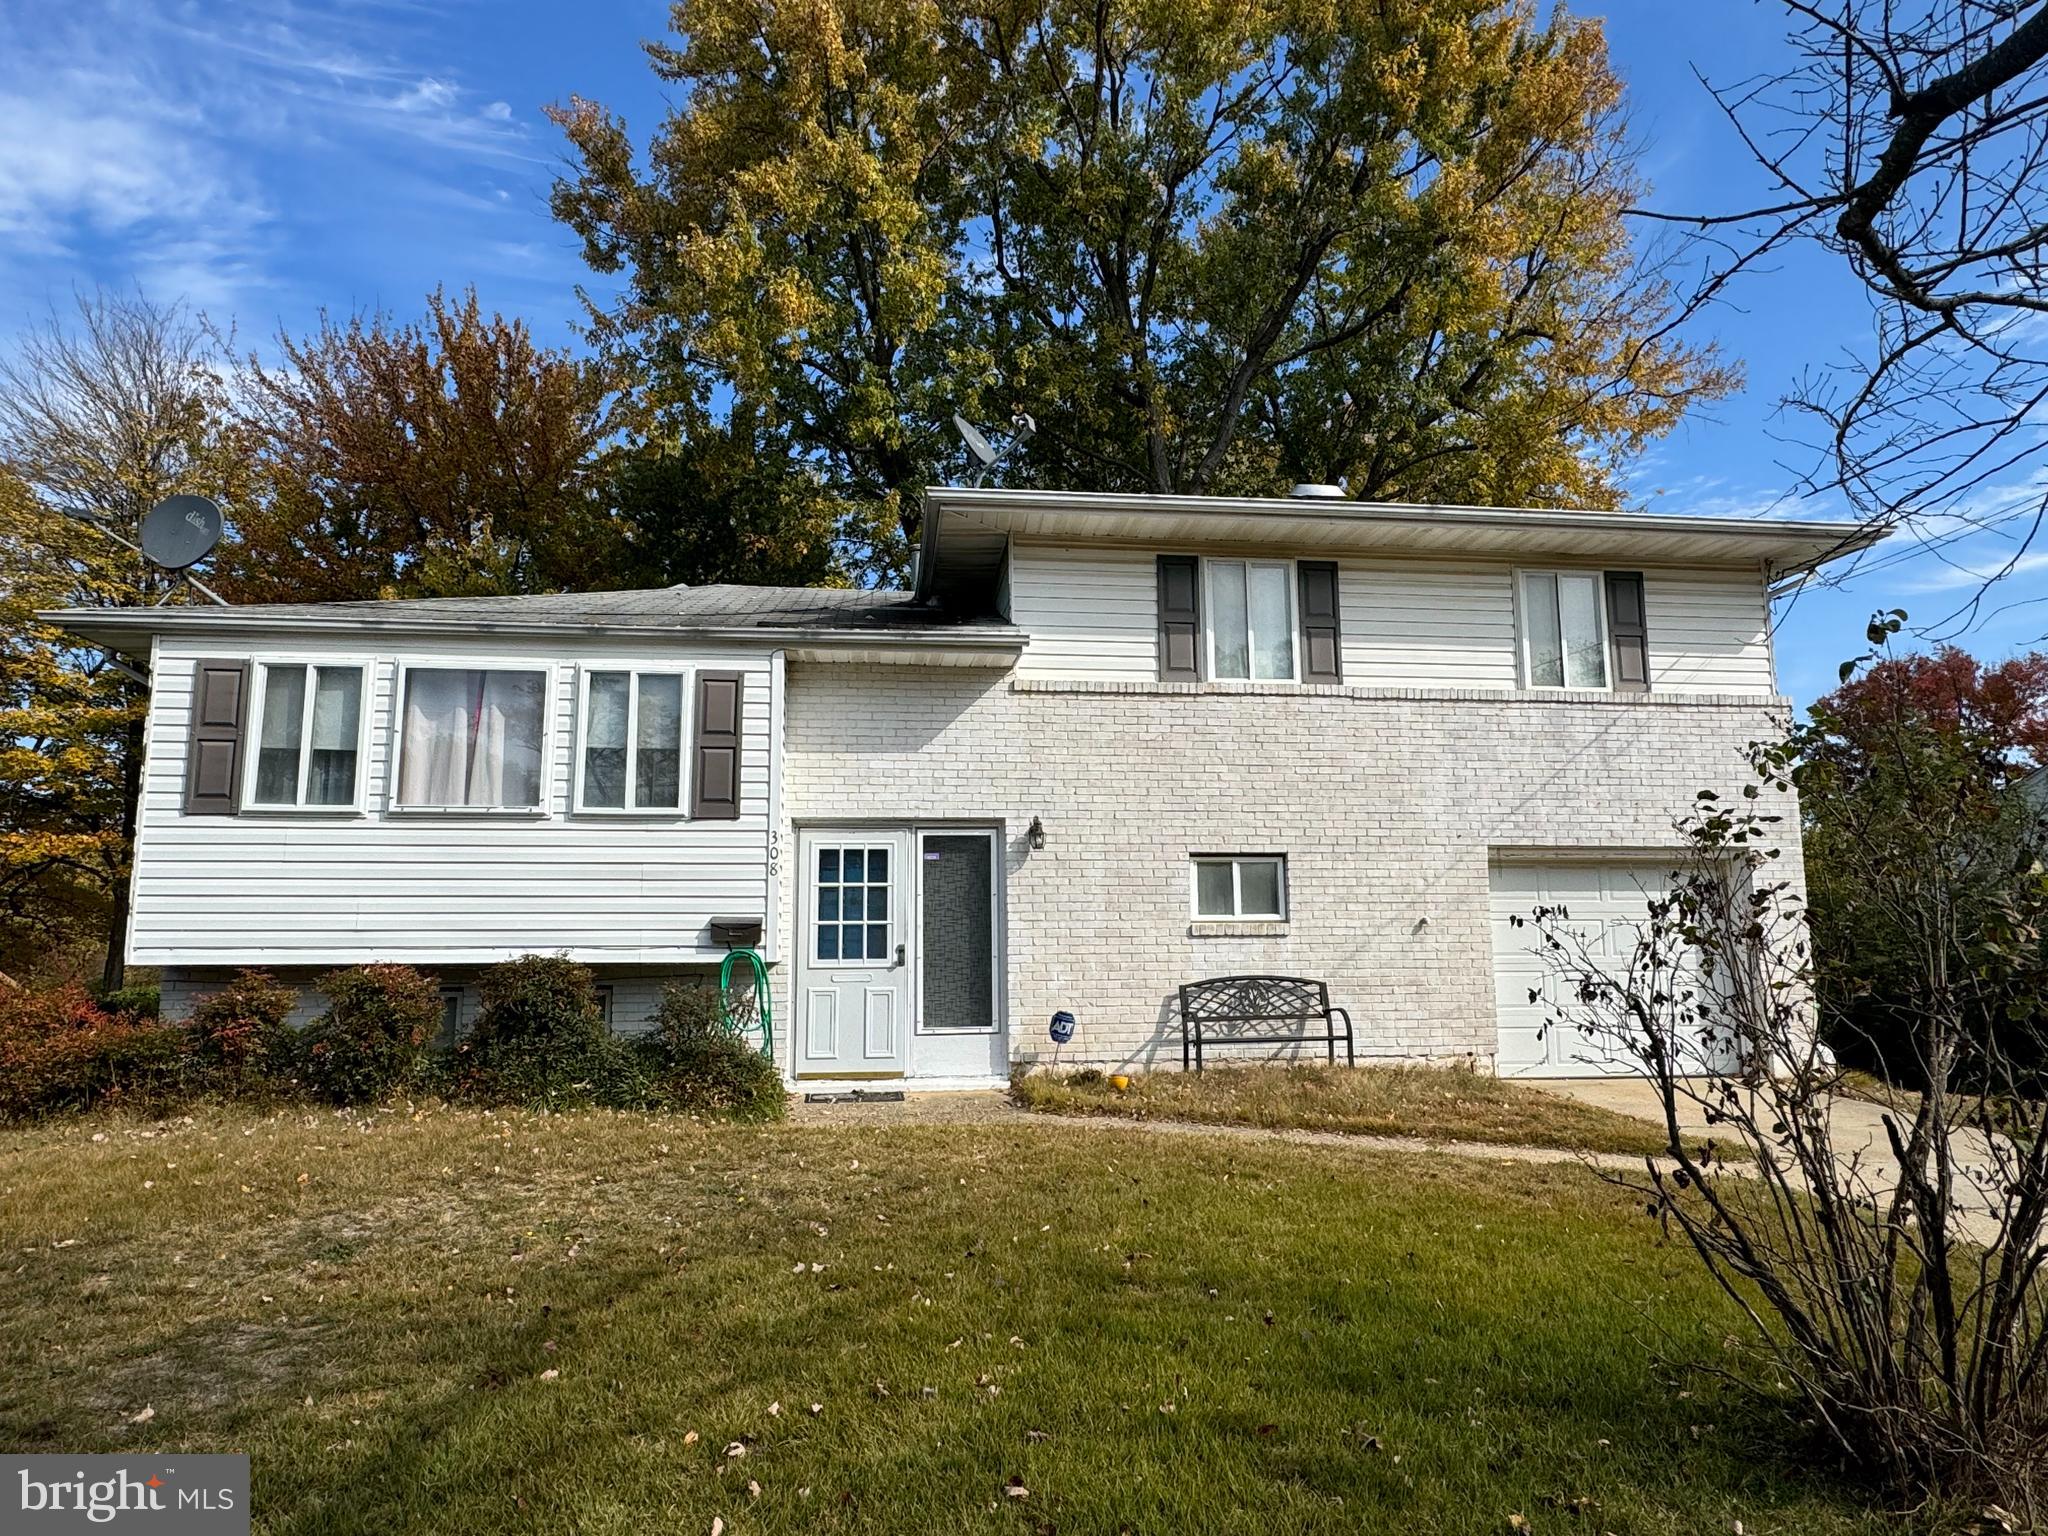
(1434, 1103)
(1147, 1333)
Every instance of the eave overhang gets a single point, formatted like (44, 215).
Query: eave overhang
(967, 531)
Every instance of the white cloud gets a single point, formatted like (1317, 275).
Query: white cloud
(498, 111)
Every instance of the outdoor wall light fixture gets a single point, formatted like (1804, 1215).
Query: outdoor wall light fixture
(1036, 832)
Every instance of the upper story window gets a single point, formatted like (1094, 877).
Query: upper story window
(1251, 619)
(1583, 629)
(472, 738)
(632, 756)
(309, 736)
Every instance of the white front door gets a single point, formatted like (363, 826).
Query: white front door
(853, 1006)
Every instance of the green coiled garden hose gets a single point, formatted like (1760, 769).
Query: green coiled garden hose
(761, 1009)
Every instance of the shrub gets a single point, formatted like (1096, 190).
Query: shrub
(241, 1038)
(708, 1069)
(539, 1037)
(133, 1003)
(61, 1051)
(689, 1017)
(725, 1077)
(373, 1038)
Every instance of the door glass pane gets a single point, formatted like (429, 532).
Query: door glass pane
(337, 718)
(277, 754)
(1578, 601)
(604, 741)
(1228, 618)
(956, 966)
(1272, 623)
(1258, 886)
(1212, 889)
(1539, 621)
(852, 912)
(658, 758)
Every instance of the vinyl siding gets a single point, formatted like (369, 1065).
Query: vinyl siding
(289, 888)
(1090, 612)
(1709, 632)
(1414, 625)
(1092, 615)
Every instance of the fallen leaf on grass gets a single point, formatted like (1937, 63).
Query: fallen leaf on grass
(690, 1437)
(736, 1450)
(816, 1409)
(717, 1526)
(143, 1417)
(549, 1374)
(1015, 1489)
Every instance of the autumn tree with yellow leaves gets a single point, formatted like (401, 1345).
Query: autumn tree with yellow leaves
(102, 414)
(1210, 245)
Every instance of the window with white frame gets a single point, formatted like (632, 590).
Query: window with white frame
(1250, 608)
(632, 741)
(472, 738)
(1241, 886)
(1564, 629)
(309, 729)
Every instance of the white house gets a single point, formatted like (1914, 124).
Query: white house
(1109, 744)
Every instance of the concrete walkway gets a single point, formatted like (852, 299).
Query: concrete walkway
(1855, 1128)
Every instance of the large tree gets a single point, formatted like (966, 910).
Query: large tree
(1908, 140)
(102, 414)
(1211, 245)
(445, 456)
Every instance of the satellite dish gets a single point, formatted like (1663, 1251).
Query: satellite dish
(977, 445)
(1021, 427)
(180, 531)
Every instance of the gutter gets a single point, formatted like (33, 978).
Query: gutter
(88, 623)
(963, 499)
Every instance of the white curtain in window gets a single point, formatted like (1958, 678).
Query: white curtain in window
(472, 738)
(1272, 622)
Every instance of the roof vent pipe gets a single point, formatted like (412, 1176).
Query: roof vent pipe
(1312, 492)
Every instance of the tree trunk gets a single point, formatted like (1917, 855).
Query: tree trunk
(114, 974)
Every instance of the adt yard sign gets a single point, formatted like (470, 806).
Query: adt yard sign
(1062, 1027)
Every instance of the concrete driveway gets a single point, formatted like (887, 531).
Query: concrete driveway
(1855, 1127)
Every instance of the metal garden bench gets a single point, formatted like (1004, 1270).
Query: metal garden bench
(1259, 1010)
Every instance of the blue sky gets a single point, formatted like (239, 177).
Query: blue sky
(263, 161)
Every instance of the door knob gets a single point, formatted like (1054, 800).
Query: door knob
(899, 954)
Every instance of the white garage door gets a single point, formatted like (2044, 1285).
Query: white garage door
(1605, 902)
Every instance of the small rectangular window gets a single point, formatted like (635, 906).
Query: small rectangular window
(632, 741)
(1564, 629)
(1251, 620)
(1241, 886)
(308, 750)
(472, 738)
(451, 1019)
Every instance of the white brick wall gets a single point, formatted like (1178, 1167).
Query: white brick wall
(1385, 801)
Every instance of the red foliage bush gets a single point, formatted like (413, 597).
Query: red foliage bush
(60, 1051)
(241, 1036)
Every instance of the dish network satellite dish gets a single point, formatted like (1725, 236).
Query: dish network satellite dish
(180, 531)
(177, 533)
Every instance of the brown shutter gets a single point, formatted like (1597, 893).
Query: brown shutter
(213, 754)
(1322, 636)
(715, 785)
(1628, 634)
(1180, 619)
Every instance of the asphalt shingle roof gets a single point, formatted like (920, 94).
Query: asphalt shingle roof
(716, 607)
